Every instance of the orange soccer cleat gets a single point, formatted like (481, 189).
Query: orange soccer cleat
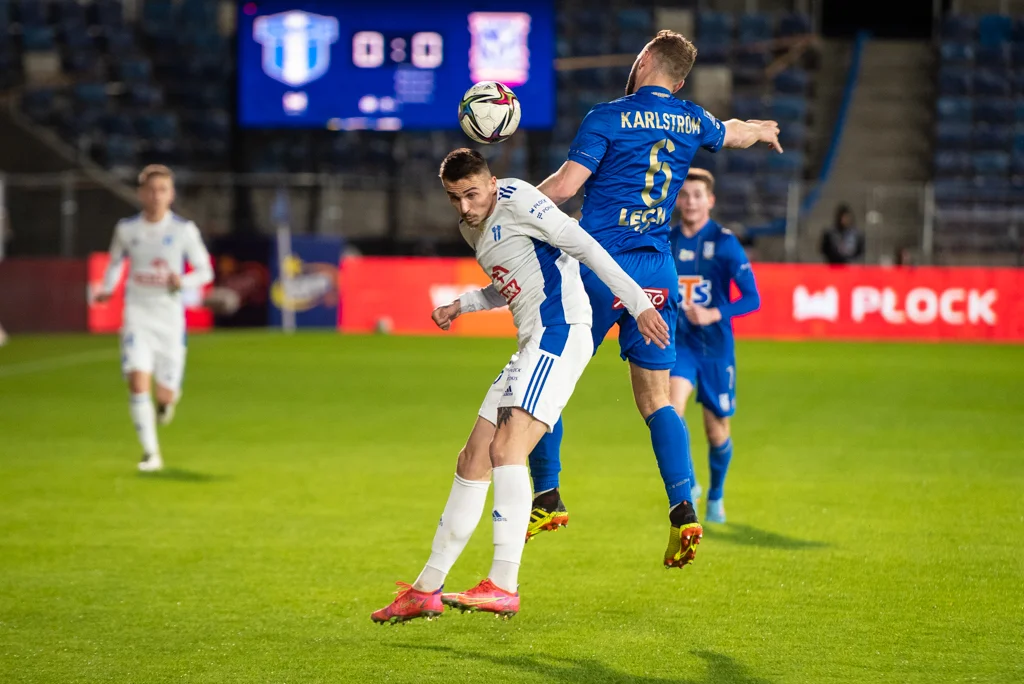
(409, 605)
(486, 597)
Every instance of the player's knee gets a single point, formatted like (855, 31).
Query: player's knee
(474, 464)
(716, 428)
(651, 399)
(138, 382)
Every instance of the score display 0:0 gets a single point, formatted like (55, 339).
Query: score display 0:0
(424, 50)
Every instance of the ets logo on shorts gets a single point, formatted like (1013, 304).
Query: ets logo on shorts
(296, 45)
(499, 51)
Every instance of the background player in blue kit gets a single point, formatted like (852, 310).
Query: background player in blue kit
(709, 259)
(631, 156)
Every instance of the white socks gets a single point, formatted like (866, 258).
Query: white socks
(144, 418)
(513, 497)
(459, 520)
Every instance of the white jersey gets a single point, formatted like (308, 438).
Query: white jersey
(531, 250)
(155, 251)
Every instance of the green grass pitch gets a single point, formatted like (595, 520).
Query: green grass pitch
(876, 520)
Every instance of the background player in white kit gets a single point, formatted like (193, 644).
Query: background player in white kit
(156, 242)
(519, 237)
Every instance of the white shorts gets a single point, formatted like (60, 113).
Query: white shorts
(154, 349)
(542, 374)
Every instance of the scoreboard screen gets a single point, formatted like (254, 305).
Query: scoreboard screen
(389, 64)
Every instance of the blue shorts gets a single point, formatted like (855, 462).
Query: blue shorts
(656, 273)
(714, 378)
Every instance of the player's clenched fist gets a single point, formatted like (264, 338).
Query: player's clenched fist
(769, 133)
(444, 315)
(654, 328)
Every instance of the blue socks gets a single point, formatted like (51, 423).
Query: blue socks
(672, 449)
(545, 460)
(718, 464)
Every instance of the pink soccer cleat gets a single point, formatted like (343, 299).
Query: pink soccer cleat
(409, 605)
(486, 597)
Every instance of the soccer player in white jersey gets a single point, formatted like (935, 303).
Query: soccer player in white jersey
(156, 242)
(532, 252)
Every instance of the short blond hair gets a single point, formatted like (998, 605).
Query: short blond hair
(674, 53)
(155, 171)
(704, 176)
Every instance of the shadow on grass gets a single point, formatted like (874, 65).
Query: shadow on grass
(182, 475)
(720, 669)
(746, 535)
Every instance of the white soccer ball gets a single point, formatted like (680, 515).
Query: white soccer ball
(489, 112)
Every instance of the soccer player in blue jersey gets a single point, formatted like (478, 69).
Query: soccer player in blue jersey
(709, 259)
(631, 157)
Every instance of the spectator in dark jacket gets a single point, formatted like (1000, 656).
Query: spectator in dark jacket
(843, 243)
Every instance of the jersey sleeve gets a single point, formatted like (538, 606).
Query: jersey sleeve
(198, 258)
(712, 131)
(547, 223)
(591, 141)
(118, 252)
(742, 274)
(484, 299)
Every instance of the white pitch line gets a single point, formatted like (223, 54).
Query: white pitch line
(55, 362)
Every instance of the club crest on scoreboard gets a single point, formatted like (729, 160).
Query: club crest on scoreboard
(296, 45)
(499, 49)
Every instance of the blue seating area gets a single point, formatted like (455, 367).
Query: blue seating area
(753, 185)
(131, 98)
(979, 132)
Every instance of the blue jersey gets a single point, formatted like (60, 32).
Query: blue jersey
(639, 150)
(707, 264)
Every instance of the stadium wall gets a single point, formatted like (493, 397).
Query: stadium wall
(798, 301)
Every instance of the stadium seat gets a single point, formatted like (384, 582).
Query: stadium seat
(995, 110)
(134, 70)
(792, 82)
(992, 55)
(793, 135)
(81, 62)
(90, 94)
(953, 136)
(158, 17)
(714, 51)
(1017, 55)
(794, 24)
(749, 161)
(989, 83)
(755, 58)
(156, 126)
(955, 81)
(120, 41)
(955, 109)
(117, 124)
(748, 108)
(990, 163)
(714, 26)
(956, 53)
(707, 160)
(1017, 168)
(994, 29)
(108, 13)
(118, 150)
(789, 108)
(735, 189)
(37, 38)
(948, 163)
(31, 13)
(38, 103)
(145, 95)
(958, 27)
(755, 27)
(791, 163)
(638, 20)
(632, 42)
(991, 137)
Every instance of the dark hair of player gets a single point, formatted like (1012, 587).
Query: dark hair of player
(704, 176)
(463, 163)
(155, 171)
(674, 54)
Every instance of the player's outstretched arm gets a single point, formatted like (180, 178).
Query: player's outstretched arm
(484, 299)
(740, 135)
(563, 184)
(577, 243)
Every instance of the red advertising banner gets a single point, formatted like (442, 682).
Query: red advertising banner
(106, 317)
(803, 301)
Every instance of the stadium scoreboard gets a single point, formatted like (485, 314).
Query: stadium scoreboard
(389, 65)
